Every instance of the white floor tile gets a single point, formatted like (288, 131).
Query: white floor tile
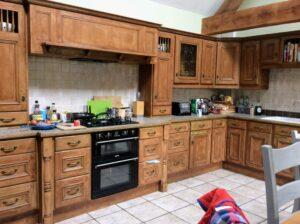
(250, 192)
(132, 202)
(207, 177)
(120, 217)
(104, 211)
(146, 211)
(258, 185)
(239, 178)
(166, 219)
(191, 182)
(170, 203)
(204, 188)
(255, 207)
(188, 195)
(175, 187)
(238, 198)
(225, 184)
(253, 219)
(191, 214)
(155, 195)
(222, 173)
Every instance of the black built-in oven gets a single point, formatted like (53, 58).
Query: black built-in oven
(114, 161)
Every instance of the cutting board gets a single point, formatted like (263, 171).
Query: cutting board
(115, 100)
(69, 127)
(99, 106)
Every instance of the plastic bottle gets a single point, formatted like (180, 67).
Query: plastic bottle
(36, 107)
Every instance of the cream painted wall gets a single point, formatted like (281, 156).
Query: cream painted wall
(145, 10)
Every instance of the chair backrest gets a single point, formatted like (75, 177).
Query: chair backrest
(295, 136)
(276, 160)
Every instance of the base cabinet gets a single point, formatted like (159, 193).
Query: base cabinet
(178, 162)
(236, 146)
(200, 148)
(218, 145)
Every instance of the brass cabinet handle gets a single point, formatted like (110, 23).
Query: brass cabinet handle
(151, 150)
(201, 125)
(178, 128)
(162, 111)
(151, 133)
(177, 74)
(3, 120)
(150, 173)
(73, 164)
(74, 144)
(9, 173)
(73, 191)
(177, 143)
(8, 150)
(23, 98)
(10, 203)
(155, 96)
(203, 75)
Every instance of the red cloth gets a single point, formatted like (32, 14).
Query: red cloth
(213, 199)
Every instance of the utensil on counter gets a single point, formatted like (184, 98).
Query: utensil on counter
(138, 108)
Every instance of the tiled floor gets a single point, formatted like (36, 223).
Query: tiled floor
(179, 206)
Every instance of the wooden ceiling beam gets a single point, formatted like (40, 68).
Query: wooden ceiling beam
(268, 15)
(229, 6)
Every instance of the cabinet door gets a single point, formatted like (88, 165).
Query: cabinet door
(163, 77)
(178, 162)
(228, 63)
(236, 146)
(187, 60)
(42, 27)
(270, 51)
(200, 148)
(13, 62)
(209, 62)
(218, 145)
(250, 63)
(253, 147)
(281, 142)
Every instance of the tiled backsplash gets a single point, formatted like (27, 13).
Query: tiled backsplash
(283, 93)
(187, 94)
(70, 84)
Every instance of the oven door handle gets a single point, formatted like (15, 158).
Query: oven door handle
(117, 140)
(117, 162)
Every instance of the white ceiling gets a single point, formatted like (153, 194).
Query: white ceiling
(202, 7)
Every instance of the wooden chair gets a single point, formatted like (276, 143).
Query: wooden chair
(276, 160)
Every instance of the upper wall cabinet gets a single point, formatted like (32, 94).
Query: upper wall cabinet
(228, 63)
(13, 63)
(187, 60)
(89, 32)
(208, 62)
(252, 76)
(270, 51)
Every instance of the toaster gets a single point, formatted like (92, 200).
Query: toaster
(181, 108)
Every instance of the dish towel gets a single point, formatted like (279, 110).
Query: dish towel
(220, 208)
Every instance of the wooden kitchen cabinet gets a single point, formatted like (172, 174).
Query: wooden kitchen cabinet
(228, 63)
(13, 65)
(188, 54)
(218, 144)
(208, 62)
(236, 145)
(253, 148)
(200, 150)
(252, 76)
(178, 162)
(163, 76)
(270, 51)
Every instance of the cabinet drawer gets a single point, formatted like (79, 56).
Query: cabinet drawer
(237, 124)
(284, 130)
(201, 125)
(162, 110)
(153, 132)
(220, 123)
(13, 147)
(18, 199)
(260, 127)
(179, 142)
(72, 190)
(17, 169)
(72, 163)
(13, 118)
(179, 127)
(150, 172)
(178, 162)
(150, 148)
(72, 142)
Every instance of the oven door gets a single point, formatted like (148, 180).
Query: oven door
(114, 177)
(115, 150)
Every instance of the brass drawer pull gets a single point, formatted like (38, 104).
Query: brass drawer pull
(201, 125)
(73, 191)
(8, 150)
(177, 163)
(10, 203)
(9, 173)
(152, 133)
(151, 150)
(178, 128)
(177, 143)
(7, 120)
(150, 173)
(163, 111)
(71, 165)
(74, 144)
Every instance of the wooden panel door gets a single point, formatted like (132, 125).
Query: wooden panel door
(13, 62)
(253, 148)
(236, 146)
(208, 62)
(228, 63)
(200, 148)
(163, 77)
(270, 51)
(250, 66)
(187, 60)
(218, 145)
(42, 27)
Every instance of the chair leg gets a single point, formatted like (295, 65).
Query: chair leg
(296, 206)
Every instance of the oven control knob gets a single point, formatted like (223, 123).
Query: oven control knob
(108, 135)
(117, 134)
(100, 136)
(124, 133)
(132, 132)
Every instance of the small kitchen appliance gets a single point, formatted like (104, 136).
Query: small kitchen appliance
(181, 108)
(258, 110)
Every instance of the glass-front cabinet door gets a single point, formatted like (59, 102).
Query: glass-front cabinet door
(188, 60)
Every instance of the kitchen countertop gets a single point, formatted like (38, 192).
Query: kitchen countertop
(26, 132)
